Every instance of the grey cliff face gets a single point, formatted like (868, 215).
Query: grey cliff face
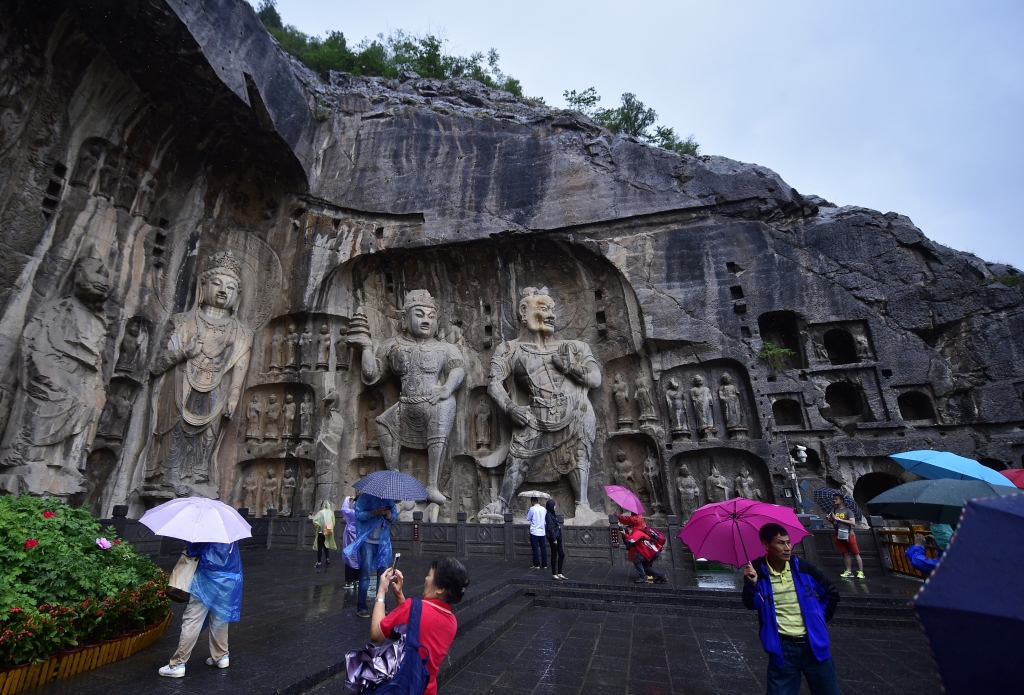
(154, 135)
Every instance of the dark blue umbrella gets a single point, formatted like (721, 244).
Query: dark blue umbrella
(938, 501)
(391, 485)
(972, 608)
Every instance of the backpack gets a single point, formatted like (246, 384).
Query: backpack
(412, 676)
(656, 536)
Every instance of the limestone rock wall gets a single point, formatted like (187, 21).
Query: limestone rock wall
(243, 208)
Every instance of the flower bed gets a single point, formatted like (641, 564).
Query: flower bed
(65, 586)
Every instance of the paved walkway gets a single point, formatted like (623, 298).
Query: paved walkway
(296, 626)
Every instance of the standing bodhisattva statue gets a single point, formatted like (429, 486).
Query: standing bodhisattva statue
(554, 433)
(430, 371)
(207, 355)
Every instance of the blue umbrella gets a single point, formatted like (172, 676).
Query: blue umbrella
(971, 607)
(391, 485)
(935, 465)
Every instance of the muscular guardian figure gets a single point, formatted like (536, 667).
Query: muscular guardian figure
(430, 371)
(555, 431)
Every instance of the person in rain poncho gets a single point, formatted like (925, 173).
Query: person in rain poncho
(351, 563)
(373, 545)
(216, 593)
(323, 520)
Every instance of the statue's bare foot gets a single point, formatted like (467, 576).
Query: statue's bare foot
(493, 509)
(585, 516)
(435, 496)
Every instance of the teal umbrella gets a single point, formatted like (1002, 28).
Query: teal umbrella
(936, 465)
(938, 501)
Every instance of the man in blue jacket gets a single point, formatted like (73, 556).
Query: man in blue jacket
(793, 600)
(373, 543)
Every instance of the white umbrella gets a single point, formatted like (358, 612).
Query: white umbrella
(197, 520)
(535, 493)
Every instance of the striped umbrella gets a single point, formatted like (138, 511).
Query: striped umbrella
(391, 485)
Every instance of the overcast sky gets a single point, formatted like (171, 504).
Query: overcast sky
(911, 106)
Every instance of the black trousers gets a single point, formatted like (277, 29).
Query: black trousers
(321, 547)
(557, 557)
(646, 567)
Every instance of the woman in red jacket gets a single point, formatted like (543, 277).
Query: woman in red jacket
(643, 549)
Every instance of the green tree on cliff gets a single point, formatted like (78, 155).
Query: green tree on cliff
(631, 117)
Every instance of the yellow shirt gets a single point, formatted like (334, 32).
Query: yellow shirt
(787, 606)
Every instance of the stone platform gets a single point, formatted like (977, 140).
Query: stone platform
(598, 629)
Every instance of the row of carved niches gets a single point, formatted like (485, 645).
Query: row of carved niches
(305, 342)
(709, 401)
(816, 344)
(717, 475)
(278, 420)
(287, 486)
(116, 174)
(631, 460)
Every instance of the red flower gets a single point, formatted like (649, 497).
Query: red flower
(31, 543)
(116, 542)
(48, 515)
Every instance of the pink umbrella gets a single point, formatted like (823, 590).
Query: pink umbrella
(625, 498)
(729, 531)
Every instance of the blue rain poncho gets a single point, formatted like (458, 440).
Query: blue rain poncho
(366, 524)
(217, 583)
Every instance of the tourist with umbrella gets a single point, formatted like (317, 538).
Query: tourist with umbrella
(375, 511)
(211, 531)
(793, 598)
(644, 544)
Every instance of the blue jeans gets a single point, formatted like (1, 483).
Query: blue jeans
(539, 542)
(798, 658)
(367, 559)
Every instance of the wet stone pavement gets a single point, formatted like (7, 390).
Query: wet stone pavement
(297, 625)
(559, 652)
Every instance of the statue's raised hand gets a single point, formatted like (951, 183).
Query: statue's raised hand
(438, 394)
(520, 415)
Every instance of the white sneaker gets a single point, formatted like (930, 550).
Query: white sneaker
(172, 671)
(222, 662)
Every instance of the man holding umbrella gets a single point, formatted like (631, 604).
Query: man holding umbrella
(794, 600)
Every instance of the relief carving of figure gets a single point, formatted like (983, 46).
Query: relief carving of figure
(306, 417)
(272, 423)
(703, 408)
(203, 364)
(251, 490)
(328, 446)
(821, 352)
(622, 474)
(306, 493)
(271, 486)
(341, 352)
(323, 349)
(109, 171)
(430, 371)
(623, 411)
(746, 487)
(717, 486)
(252, 416)
(60, 394)
(133, 348)
(306, 348)
(115, 416)
(644, 402)
(287, 493)
(860, 343)
(144, 199)
(689, 493)
(277, 352)
(674, 395)
(370, 423)
(482, 418)
(729, 396)
(652, 476)
(291, 347)
(553, 434)
(289, 417)
(88, 162)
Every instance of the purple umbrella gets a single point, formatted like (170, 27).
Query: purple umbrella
(625, 498)
(729, 531)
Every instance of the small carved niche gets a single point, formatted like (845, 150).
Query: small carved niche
(916, 406)
(731, 465)
(626, 463)
(277, 420)
(787, 411)
(117, 411)
(782, 329)
(304, 342)
(845, 400)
